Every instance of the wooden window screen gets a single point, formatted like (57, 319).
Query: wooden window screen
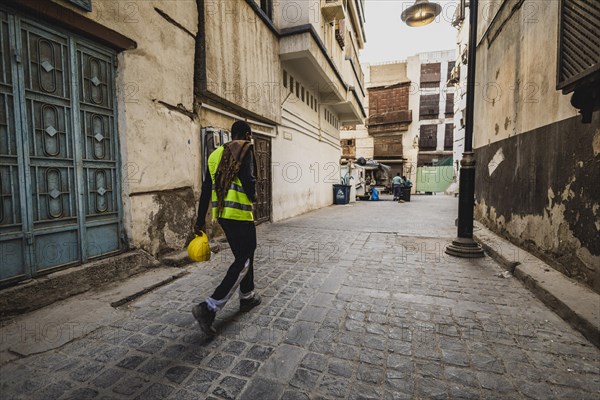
(428, 137)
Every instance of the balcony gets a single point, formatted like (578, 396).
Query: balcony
(333, 9)
(303, 53)
(351, 111)
(352, 57)
(395, 121)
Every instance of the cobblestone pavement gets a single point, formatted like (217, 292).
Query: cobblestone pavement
(347, 313)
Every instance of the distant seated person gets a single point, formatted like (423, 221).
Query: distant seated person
(397, 186)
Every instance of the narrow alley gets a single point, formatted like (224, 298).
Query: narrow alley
(359, 302)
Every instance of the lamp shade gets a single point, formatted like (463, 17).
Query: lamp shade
(421, 13)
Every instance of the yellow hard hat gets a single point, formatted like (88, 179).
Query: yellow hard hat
(198, 249)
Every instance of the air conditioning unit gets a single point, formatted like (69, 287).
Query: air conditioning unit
(464, 57)
(333, 9)
(454, 75)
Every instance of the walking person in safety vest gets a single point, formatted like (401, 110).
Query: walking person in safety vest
(232, 190)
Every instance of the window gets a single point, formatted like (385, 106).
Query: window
(85, 4)
(429, 106)
(267, 7)
(449, 137)
(302, 96)
(285, 79)
(431, 75)
(451, 65)
(428, 137)
(291, 84)
(297, 89)
(579, 54)
(449, 105)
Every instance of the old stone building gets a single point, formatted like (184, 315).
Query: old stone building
(99, 142)
(537, 130)
(110, 108)
(291, 68)
(410, 125)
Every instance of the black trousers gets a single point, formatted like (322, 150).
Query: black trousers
(241, 236)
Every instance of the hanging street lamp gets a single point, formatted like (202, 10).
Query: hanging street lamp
(422, 13)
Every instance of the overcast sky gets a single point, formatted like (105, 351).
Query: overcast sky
(389, 39)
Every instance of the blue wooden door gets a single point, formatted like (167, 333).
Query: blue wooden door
(59, 181)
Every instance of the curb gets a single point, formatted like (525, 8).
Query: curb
(39, 292)
(575, 303)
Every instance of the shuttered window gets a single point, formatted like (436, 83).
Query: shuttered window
(449, 137)
(85, 4)
(428, 137)
(431, 75)
(429, 106)
(579, 43)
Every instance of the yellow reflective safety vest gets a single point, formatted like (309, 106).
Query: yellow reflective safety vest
(237, 205)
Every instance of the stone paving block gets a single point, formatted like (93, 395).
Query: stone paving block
(156, 391)
(294, 395)
(234, 347)
(263, 389)
(339, 367)
(260, 353)
(314, 361)
(154, 366)
(200, 381)
(370, 374)
(107, 378)
(229, 387)
(178, 373)
(332, 386)
(221, 362)
(131, 385)
(304, 379)
(52, 391)
(246, 368)
(281, 366)
(313, 314)
(81, 394)
(85, 372)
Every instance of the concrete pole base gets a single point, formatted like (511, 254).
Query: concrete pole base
(465, 248)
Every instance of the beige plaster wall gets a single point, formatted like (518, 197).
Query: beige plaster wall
(388, 74)
(516, 73)
(242, 59)
(304, 168)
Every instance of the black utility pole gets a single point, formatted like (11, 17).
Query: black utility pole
(464, 246)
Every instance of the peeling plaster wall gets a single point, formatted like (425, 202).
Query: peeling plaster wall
(544, 194)
(538, 166)
(158, 132)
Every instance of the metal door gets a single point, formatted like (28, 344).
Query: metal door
(262, 152)
(59, 180)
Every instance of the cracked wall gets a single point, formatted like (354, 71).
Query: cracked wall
(538, 166)
(158, 128)
(545, 195)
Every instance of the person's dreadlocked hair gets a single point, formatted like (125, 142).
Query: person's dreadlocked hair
(229, 167)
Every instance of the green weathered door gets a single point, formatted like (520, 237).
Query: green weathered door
(59, 181)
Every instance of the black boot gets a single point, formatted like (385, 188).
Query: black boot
(249, 304)
(205, 318)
